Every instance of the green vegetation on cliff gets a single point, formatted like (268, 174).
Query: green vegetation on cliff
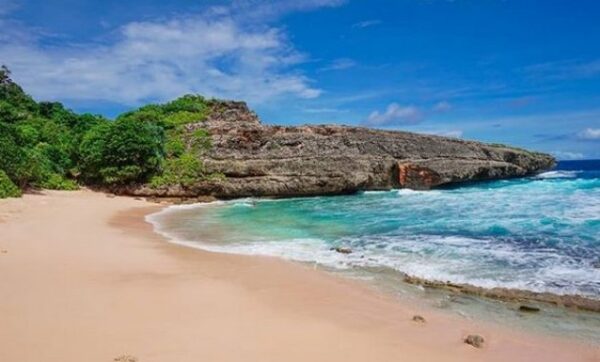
(7, 187)
(39, 141)
(121, 152)
(45, 145)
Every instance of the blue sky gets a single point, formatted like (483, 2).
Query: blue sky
(521, 72)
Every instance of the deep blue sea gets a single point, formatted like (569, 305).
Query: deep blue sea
(540, 233)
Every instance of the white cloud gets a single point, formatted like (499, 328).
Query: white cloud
(214, 53)
(443, 106)
(7, 6)
(324, 110)
(366, 23)
(269, 9)
(452, 133)
(589, 134)
(394, 115)
(567, 155)
(339, 64)
(437, 131)
(565, 69)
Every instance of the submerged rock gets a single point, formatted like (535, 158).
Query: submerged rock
(342, 250)
(475, 340)
(528, 309)
(511, 295)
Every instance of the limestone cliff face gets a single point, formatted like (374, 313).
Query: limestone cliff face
(261, 160)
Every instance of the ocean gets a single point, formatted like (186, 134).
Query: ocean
(540, 233)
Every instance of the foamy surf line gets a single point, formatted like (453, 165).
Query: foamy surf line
(317, 251)
(239, 249)
(557, 174)
(153, 219)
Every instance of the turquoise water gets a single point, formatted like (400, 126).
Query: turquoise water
(540, 233)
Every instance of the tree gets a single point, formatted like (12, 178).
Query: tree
(126, 151)
(7, 187)
(12, 156)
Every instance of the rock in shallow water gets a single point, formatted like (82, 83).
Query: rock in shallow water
(528, 309)
(342, 250)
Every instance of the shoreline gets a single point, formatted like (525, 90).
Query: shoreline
(567, 301)
(85, 277)
(501, 294)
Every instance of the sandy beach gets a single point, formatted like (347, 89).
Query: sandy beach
(84, 278)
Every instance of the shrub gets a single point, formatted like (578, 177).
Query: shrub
(58, 182)
(183, 117)
(7, 187)
(174, 146)
(12, 156)
(14, 103)
(201, 141)
(41, 144)
(148, 114)
(184, 170)
(188, 103)
(122, 152)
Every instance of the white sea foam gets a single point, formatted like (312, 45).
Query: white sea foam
(558, 174)
(378, 192)
(413, 257)
(525, 234)
(418, 192)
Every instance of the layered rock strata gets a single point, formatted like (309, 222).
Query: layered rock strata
(283, 161)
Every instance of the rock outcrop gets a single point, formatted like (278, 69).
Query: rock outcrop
(512, 295)
(474, 340)
(263, 160)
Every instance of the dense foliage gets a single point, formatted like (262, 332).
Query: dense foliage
(121, 152)
(7, 187)
(38, 141)
(44, 145)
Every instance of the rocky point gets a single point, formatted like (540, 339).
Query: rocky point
(283, 161)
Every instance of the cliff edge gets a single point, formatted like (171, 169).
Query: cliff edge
(262, 160)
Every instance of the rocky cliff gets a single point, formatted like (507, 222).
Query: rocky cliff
(261, 160)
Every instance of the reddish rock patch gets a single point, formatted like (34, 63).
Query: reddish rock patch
(417, 177)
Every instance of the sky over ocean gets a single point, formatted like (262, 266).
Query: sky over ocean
(521, 72)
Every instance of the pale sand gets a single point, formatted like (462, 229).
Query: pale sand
(84, 278)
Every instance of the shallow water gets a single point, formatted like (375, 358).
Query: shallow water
(540, 233)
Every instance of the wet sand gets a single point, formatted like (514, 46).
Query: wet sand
(84, 278)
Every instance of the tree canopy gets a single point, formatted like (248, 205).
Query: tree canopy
(45, 145)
